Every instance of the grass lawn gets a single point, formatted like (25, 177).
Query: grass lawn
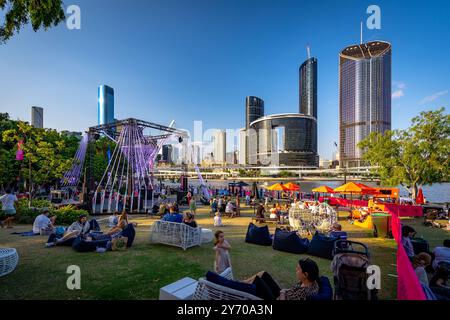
(141, 271)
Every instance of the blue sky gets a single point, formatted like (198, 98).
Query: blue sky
(198, 59)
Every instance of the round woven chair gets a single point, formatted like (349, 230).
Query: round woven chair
(8, 260)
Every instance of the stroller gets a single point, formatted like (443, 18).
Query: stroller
(349, 267)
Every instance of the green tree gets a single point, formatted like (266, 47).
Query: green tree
(41, 13)
(417, 156)
(47, 153)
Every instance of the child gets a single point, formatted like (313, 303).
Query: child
(222, 248)
(218, 220)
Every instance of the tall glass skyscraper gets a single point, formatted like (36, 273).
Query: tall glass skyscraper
(37, 117)
(364, 97)
(105, 105)
(308, 87)
(254, 109)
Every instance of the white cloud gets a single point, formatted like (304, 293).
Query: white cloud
(398, 90)
(433, 97)
(397, 94)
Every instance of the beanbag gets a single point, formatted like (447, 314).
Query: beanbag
(322, 246)
(289, 242)
(325, 290)
(130, 233)
(258, 235)
(236, 285)
(81, 245)
(420, 245)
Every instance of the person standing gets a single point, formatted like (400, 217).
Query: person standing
(8, 201)
(192, 205)
(222, 248)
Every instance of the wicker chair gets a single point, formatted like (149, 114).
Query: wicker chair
(210, 291)
(175, 234)
(8, 260)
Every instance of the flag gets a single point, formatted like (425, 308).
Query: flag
(19, 152)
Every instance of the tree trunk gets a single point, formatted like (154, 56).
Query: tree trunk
(414, 191)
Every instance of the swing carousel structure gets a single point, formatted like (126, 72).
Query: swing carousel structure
(127, 182)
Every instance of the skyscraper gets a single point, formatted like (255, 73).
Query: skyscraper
(254, 109)
(105, 105)
(242, 146)
(364, 97)
(167, 153)
(37, 117)
(220, 146)
(308, 87)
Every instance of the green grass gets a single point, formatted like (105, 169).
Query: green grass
(141, 271)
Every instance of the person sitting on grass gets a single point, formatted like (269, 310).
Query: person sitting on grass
(79, 227)
(420, 262)
(218, 220)
(121, 224)
(407, 233)
(438, 283)
(442, 254)
(43, 222)
(307, 273)
(274, 212)
(230, 210)
(8, 200)
(173, 216)
(113, 219)
(189, 219)
(260, 213)
(222, 247)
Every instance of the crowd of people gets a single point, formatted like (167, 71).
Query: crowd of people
(432, 268)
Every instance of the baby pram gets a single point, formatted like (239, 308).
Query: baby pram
(349, 267)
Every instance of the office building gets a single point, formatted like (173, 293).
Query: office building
(288, 139)
(242, 146)
(219, 146)
(105, 105)
(167, 153)
(364, 97)
(254, 109)
(308, 87)
(37, 117)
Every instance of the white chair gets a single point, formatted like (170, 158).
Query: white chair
(210, 291)
(8, 260)
(175, 234)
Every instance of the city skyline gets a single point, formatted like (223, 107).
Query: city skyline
(163, 73)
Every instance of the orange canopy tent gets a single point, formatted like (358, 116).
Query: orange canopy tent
(291, 186)
(277, 187)
(353, 187)
(323, 189)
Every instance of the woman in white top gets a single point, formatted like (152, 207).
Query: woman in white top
(8, 200)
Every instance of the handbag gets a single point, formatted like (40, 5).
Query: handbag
(119, 244)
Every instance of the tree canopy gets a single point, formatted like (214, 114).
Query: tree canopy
(416, 156)
(41, 13)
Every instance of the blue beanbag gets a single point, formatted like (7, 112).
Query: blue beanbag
(289, 242)
(240, 286)
(258, 235)
(325, 290)
(81, 245)
(322, 246)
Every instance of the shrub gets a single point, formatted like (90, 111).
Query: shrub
(64, 215)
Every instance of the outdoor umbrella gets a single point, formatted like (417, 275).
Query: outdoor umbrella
(292, 186)
(419, 197)
(242, 184)
(277, 187)
(352, 188)
(323, 189)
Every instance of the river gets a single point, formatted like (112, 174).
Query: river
(436, 193)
